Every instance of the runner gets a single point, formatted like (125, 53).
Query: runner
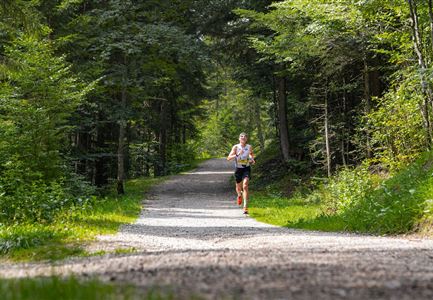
(243, 155)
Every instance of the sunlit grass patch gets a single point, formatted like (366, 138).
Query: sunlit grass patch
(70, 230)
(280, 210)
(292, 212)
(54, 288)
(285, 216)
(320, 223)
(357, 200)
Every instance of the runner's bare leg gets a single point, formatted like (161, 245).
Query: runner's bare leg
(245, 193)
(239, 188)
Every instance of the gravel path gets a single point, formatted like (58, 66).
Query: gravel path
(194, 240)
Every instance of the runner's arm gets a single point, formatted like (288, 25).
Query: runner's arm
(253, 161)
(232, 154)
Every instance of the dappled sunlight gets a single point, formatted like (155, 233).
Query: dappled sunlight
(206, 173)
(196, 212)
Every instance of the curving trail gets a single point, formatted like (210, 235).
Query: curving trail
(193, 239)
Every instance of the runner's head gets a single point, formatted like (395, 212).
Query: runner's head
(243, 137)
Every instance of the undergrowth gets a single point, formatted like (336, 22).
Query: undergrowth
(73, 226)
(71, 288)
(355, 199)
(68, 232)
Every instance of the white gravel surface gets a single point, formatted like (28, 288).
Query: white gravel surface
(193, 240)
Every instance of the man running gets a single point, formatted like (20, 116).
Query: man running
(243, 155)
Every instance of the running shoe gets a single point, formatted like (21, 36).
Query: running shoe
(245, 211)
(240, 200)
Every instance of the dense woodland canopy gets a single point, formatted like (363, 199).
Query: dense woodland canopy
(93, 92)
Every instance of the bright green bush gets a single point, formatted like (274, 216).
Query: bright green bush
(359, 200)
(37, 96)
(396, 125)
(397, 204)
(368, 203)
(346, 189)
(64, 236)
(181, 156)
(37, 201)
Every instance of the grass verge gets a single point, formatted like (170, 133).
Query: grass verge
(356, 200)
(53, 288)
(292, 212)
(66, 235)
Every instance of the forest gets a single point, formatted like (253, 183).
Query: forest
(336, 96)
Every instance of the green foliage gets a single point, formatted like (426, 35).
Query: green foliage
(181, 157)
(33, 202)
(74, 288)
(346, 189)
(398, 204)
(25, 237)
(396, 126)
(276, 209)
(152, 65)
(36, 100)
(70, 228)
(358, 200)
(219, 133)
(236, 109)
(70, 288)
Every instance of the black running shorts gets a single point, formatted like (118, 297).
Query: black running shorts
(242, 173)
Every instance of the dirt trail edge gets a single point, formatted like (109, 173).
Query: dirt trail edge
(194, 240)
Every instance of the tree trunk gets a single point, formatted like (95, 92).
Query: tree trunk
(367, 97)
(122, 136)
(184, 134)
(76, 140)
(100, 177)
(121, 157)
(430, 13)
(426, 88)
(176, 123)
(344, 118)
(416, 36)
(259, 126)
(343, 153)
(328, 150)
(147, 165)
(162, 139)
(282, 118)
(275, 98)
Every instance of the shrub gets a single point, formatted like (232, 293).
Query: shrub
(348, 188)
(36, 100)
(37, 201)
(368, 203)
(398, 204)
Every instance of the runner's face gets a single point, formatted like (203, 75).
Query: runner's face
(242, 139)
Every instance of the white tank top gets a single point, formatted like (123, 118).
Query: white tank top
(242, 161)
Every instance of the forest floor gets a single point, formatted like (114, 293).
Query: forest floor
(193, 241)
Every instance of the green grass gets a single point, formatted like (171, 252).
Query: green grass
(54, 288)
(356, 200)
(292, 212)
(67, 234)
(401, 204)
(71, 230)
